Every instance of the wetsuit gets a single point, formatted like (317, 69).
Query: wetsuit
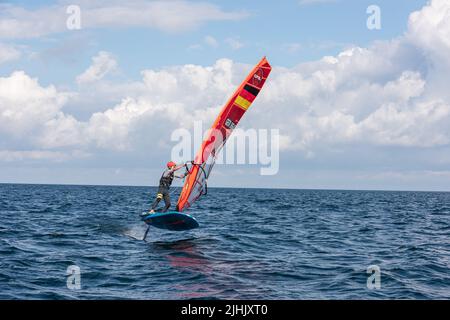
(163, 190)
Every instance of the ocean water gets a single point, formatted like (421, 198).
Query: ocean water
(251, 244)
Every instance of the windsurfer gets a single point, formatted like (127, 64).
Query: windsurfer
(164, 185)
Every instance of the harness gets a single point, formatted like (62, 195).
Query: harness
(166, 181)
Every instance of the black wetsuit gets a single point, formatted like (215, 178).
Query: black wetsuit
(163, 190)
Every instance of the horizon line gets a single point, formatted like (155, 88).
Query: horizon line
(220, 187)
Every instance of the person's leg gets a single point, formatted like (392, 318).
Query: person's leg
(157, 200)
(166, 196)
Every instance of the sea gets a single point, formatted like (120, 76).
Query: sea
(85, 242)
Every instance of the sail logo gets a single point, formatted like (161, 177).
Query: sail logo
(243, 147)
(258, 77)
(230, 124)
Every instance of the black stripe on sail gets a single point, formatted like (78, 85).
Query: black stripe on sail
(254, 91)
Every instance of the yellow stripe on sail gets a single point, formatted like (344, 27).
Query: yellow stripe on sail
(242, 102)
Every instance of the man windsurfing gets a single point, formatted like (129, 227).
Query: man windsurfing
(164, 185)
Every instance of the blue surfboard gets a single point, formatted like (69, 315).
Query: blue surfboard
(171, 220)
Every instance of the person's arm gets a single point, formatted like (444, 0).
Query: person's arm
(169, 171)
(178, 166)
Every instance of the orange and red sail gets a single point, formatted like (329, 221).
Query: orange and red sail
(228, 118)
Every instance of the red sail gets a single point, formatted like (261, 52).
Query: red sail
(226, 121)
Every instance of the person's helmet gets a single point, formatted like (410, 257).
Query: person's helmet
(170, 164)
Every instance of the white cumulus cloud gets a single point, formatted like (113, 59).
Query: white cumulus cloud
(388, 94)
(102, 64)
(25, 106)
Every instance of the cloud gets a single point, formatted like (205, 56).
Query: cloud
(102, 64)
(211, 41)
(17, 22)
(54, 156)
(8, 53)
(356, 98)
(195, 46)
(168, 16)
(388, 94)
(429, 28)
(234, 43)
(164, 100)
(25, 105)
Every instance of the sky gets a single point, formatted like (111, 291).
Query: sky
(356, 108)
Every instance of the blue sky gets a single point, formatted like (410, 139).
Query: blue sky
(311, 31)
(349, 123)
